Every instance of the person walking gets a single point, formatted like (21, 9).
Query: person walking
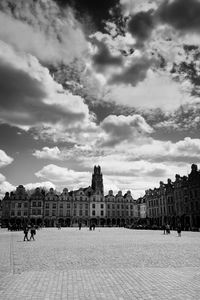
(179, 229)
(164, 228)
(33, 232)
(26, 234)
(79, 225)
(167, 229)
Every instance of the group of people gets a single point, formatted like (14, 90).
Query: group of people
(166, 229)
(91, 226)
(32, 231)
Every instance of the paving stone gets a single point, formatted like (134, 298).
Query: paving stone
(108, 263)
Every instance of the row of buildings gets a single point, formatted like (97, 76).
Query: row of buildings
(85, 205)
(173, 202)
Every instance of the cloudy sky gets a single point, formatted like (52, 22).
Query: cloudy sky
(108, 82)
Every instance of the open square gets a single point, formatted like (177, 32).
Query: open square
(107, 263)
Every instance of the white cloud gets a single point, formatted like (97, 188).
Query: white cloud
(5, 159)
(64, 176)
(5, 186)
(42, 29)
(123, 128)
(31, 98)
(48, 153)
(44, 184)
(156, 91)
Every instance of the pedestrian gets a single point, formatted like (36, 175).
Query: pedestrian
(26, 234)
(33, 232)
(93, 226)
(179, 229)
(79, 225)
(167, 229)
(164, 228)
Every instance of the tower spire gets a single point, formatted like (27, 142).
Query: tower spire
(97, 180)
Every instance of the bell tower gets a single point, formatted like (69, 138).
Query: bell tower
(97, 180)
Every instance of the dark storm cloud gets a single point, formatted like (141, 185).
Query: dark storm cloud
(181, 14)
(133, 74)
(184, 15)
(141, 26)
(103, 58)
(97, 10)
(21, 101)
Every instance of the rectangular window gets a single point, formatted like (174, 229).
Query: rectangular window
(80, 212)
(61, 213)
(68, 213)
(108, 206)
(19, 205)
(117, 206)
(86, 212)
(33, 212)
(25, 204)
(39, 212)
(81, 198)
(12, 213)
(93, 212)
(34, 204)
(101, 205)
(86, 206)
(39, 204)
(61, 205)
(93, 205)
(101, 212)
(47, 205)
(25, 213)
(13, 205)
(46, 213)
(54, 206)
(53, 212)
(113, 206)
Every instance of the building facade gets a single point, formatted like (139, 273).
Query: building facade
(69, 208)
(175, 202)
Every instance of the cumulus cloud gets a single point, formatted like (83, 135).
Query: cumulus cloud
(5, 159)
(43, 29)
(103, 58)
(44, 184)
(158, 90)
(123, 128)
(133, 73)
(5, 186)
(183, 15)
(30, 96)
(60, 176)
(48, 153)
(141, 25)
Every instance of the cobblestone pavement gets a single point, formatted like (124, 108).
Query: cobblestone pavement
(108, 263)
